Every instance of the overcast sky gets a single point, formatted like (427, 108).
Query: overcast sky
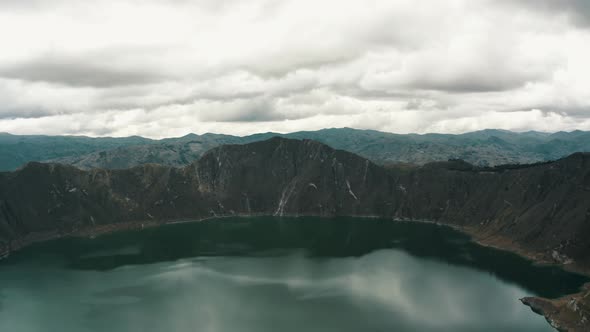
(161, 68)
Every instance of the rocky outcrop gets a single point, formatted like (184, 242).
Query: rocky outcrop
(570, 313)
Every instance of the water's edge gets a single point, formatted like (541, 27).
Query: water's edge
(557, 312)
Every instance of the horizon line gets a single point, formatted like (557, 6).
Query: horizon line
(548, 133)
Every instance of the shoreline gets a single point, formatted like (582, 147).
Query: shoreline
(491, 241)
(567, 313)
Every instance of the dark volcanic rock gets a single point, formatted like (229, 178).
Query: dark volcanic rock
(540, 209)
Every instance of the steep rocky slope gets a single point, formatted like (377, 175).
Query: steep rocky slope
(543, 208)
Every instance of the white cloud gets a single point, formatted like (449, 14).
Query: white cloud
(163, 68)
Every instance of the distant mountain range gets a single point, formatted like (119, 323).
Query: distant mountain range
(483, 148)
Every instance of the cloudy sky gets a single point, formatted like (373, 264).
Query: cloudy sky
(161, 68)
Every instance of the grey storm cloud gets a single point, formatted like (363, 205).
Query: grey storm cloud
(11, 112)
(248, 113)
(466, 84)
(573, 111)
(578, 11)
(243, 110)
(161, 67)
(78, 72)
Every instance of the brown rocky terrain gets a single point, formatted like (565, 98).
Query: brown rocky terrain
(541, 210)
(569, 313)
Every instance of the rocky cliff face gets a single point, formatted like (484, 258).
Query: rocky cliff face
(275, 177)
(542, 208)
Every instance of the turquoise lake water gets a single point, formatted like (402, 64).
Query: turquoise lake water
(271, 274)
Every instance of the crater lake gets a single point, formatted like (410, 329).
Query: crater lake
(275, 274)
